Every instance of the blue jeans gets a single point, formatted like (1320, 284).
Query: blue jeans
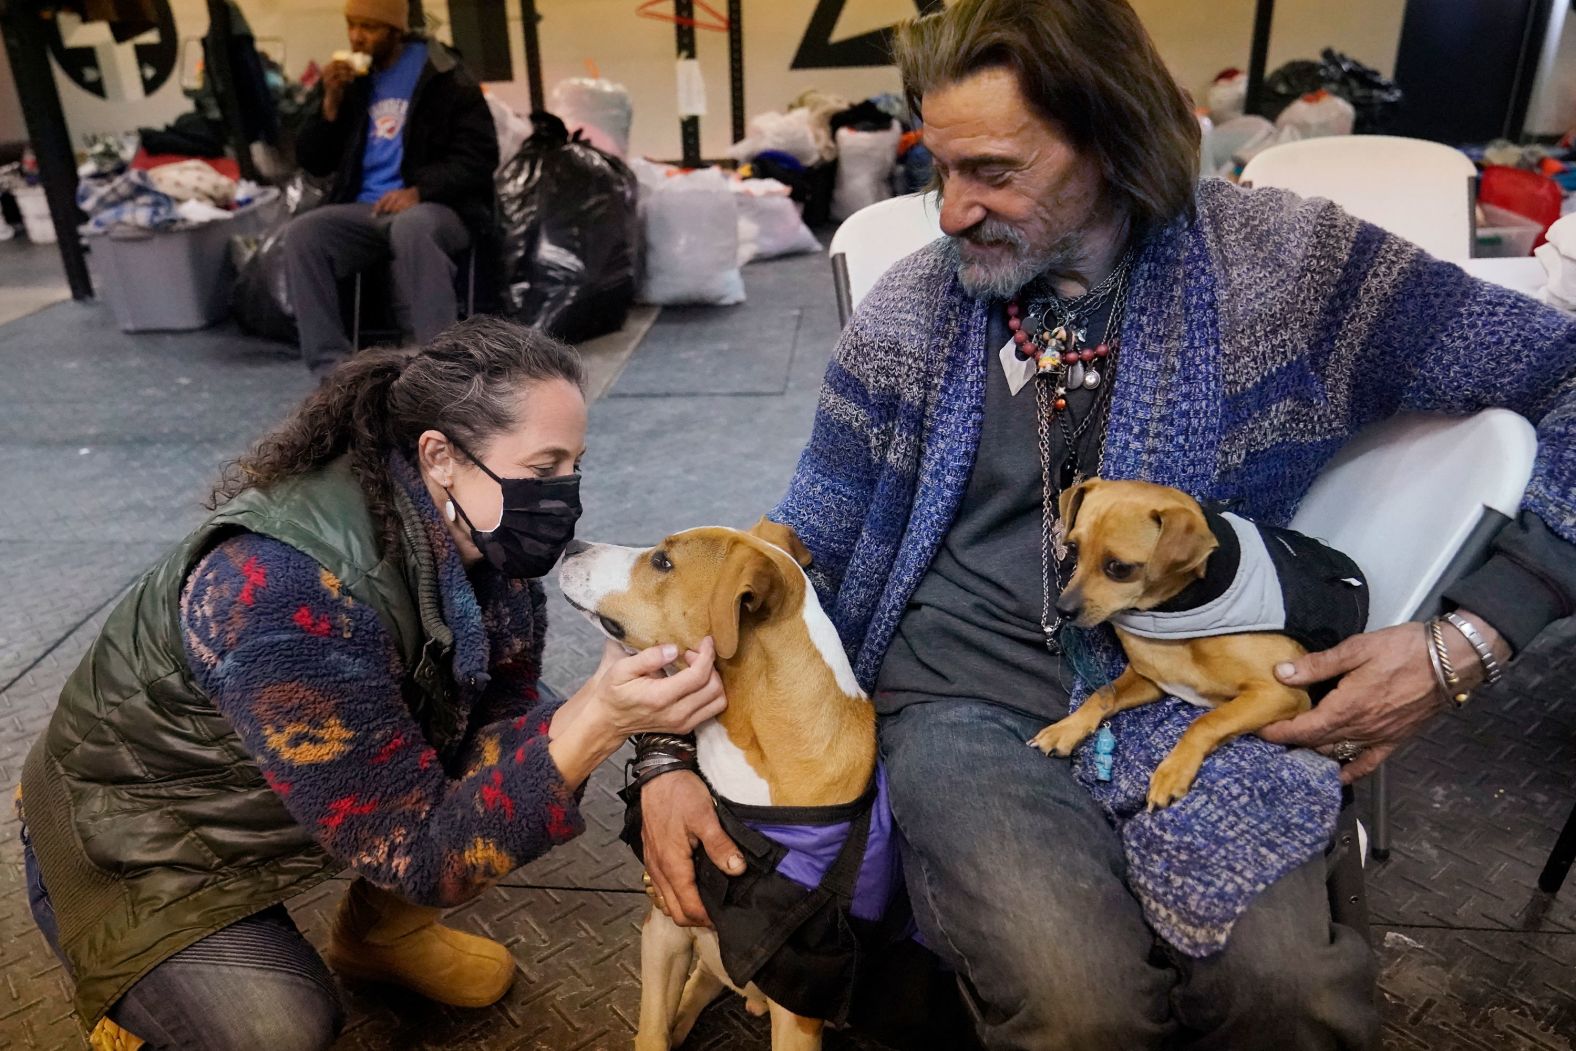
(1017, 881)
(254, 984)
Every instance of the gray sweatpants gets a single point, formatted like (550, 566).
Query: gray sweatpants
(330, 243)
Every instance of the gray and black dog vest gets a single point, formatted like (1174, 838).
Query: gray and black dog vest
(1262, 578)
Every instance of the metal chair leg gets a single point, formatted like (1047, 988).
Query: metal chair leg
(845, 304)
(1381, 812)
(1560, 858)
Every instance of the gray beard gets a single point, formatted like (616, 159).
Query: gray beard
(1004, 279)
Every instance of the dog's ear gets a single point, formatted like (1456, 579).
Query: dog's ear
(750, 582)
(1071, 500)
(779, 535)
(1184, 546)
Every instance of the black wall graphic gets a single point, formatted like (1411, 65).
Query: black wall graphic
(155, 59)
(816, 50)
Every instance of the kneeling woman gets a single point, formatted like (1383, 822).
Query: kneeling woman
(340, 668)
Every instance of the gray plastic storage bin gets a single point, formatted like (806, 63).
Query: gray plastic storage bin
(174, 279)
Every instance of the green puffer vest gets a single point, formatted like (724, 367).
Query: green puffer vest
(151, 824)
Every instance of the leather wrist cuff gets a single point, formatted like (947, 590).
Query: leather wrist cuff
(679, 746)
(638, 775)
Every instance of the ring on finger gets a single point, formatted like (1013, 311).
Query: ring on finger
(1345, 751)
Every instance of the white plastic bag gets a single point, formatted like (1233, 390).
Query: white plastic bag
(650, 174)
(769, 221)
(1228, 96)
(1236, 137)
(597, 107)
(864, 168)
(512, 128)
(791, 132)
(1317, 114)
(692, 239)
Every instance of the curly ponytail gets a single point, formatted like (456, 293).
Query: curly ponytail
(465, 383)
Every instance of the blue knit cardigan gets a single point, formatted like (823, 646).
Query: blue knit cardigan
(1262, 332)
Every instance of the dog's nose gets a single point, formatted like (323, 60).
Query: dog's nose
(1068, 604)
(576, 547)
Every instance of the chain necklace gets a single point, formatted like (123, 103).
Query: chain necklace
(1055, 335)
(1062, 361)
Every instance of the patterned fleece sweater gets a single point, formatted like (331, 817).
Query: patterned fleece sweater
(310, 680)
(1261, 335)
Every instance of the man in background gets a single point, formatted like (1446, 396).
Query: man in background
(411, 147)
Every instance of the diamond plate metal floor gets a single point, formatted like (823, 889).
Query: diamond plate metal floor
(110, 440)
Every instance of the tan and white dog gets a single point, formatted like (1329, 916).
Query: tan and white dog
(798, 730)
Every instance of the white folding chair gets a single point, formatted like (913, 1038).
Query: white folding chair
(1416, 501)
(875, 237)
(1422, 191)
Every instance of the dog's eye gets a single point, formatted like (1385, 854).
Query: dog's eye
(660, 563)
(1118, 571)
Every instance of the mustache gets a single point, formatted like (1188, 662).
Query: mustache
(993, 232)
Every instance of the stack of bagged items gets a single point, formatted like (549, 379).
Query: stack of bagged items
(836, 157)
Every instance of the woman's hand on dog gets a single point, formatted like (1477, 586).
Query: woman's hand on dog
(1386, 694)
(628, 694)
(678, 813)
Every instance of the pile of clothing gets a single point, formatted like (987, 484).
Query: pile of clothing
(119, 187)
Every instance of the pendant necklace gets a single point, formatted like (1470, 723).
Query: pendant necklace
(1055, 336)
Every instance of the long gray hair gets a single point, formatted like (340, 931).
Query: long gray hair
(1087, 66)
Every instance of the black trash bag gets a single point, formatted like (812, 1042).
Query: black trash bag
(260, 298)
(1288, 84)
(571, 234)
(866, 116)
(1375, 98)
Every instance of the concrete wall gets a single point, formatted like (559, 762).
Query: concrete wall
(1196, 38)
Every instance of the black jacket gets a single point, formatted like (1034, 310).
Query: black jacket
(451, 145)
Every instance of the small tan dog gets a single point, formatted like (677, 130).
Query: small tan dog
(1205, 606)
(798, 730)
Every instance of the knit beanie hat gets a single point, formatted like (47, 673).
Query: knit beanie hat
(394, 13)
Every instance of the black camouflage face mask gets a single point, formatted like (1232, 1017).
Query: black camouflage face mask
(539, 516)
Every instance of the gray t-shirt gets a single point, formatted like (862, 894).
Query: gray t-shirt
(972, 627)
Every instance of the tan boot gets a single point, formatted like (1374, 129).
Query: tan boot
(380, 937)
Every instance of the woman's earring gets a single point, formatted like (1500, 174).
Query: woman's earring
(448, 510)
